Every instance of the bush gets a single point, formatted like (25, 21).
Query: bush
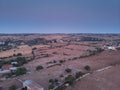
(78, 74)
(20, 71)
(13, 87)
(87, 68)
(68, 70)
(62, 61)
(34, 48)
(56, 80)
(54, 61)
(51, 81)
(24, 88)
(39, 68)
(51, 86)
(19, 54)
(61, 88)
(69, 79)
(61, 75)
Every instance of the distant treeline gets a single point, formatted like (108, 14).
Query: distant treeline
(91, 39)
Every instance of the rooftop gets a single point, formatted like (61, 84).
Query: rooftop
(31, 84)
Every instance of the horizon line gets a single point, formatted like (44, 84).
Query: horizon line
(55, 33)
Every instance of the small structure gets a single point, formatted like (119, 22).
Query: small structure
(31, 85)
(111, 48)
(108, 47)
(14, 63)
(8, 68)
(13, 69)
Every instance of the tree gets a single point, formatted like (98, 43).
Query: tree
(52, 82)
(61, 61)
(19, 54)
(56, 80)
(68, 70)
(21, 60)
(24, 88)
(78, 74)
(87, 68)
(20, 71)
(69, 79)
(39, 68)
(51, 86)
(34, 48)
(13, 87)
(54, 61)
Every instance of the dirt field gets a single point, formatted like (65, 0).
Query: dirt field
(95, 62)
(23, 49)
(105, 80)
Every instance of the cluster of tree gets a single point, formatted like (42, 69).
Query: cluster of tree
(9, 44)
(19, 54)
(91, 39)
(36, 41)
(24, 88)
(70, 79)
(20, 71)
(20, 61)
(98, 50)
(2, 63)
(13, 87)
(53, 83)
(78, 74)
(4, 48)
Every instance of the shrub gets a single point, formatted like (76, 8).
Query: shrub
(51, 86)
(68, 70)
(61, 61)
(87, 68)
(61, 75)
(34, 48)
(39, 67)
(56, 80)
(78, 74)
(61, 88)
(24, 88)
(13, 87)
(69, 79)
(19, 54)
(54, 61)
(51, 81)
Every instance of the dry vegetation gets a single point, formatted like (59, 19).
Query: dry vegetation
(67, 51)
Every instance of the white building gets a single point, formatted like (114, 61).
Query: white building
(14, 63)
(111, 48)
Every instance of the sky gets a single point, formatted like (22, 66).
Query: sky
(59, 16)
